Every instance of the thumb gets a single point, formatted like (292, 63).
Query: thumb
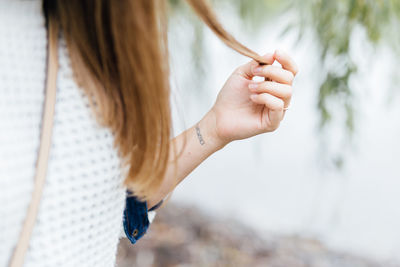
(246, 69)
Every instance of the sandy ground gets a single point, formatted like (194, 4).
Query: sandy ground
(183, 236)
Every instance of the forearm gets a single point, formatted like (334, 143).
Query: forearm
(243, 108)
(192, 147)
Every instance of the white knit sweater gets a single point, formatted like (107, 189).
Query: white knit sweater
(80, 215)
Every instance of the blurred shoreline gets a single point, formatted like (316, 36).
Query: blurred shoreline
(184, 236)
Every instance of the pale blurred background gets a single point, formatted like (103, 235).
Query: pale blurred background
(331, 172)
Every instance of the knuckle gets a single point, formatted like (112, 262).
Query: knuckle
(290, 77)
(295, 70)
(279, 105)
(287, 92)
(274, 127)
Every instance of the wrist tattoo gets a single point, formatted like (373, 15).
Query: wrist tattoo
(199, 136)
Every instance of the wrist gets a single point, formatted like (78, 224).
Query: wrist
(207, 134)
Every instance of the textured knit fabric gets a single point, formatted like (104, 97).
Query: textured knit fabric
(80, 215)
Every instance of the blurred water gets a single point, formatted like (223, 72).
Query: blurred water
(275, 182)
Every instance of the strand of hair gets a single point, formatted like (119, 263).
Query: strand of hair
(206, 13)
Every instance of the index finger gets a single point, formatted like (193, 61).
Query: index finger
(286, 61)
(246, 69)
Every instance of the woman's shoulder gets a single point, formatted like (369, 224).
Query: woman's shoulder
(23, 41)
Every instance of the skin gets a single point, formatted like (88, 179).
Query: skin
(243, 108)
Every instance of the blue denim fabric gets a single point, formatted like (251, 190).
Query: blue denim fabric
(136, 221)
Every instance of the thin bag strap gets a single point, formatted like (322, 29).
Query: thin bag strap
(18, 257)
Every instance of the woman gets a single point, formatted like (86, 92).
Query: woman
(112, 122)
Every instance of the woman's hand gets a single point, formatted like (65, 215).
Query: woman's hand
(245, 108)
(241, 110)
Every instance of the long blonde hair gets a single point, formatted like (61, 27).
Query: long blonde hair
(119, 55)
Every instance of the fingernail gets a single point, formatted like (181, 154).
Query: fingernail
(253, 96)
(253, 85)
(257, 70)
